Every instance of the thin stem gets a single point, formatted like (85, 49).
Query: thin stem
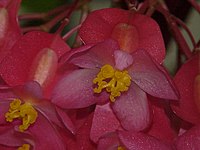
(42, 16)
(195, 5)
(176, 32)
(68, 34)
(180, 22)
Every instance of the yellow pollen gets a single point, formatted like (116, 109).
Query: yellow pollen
(24, 147)
(120, 148)
(25, 112)
(114, 81)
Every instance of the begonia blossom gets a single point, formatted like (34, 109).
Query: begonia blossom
(100, 67)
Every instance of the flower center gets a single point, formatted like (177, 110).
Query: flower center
(114, 81)
(24, 147)
(25, 112)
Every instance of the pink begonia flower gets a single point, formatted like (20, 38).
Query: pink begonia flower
(9, 27)
(33, 60)
(187, 80)
(131, 30)
(34, 57)
(39, 133)
(138, 69)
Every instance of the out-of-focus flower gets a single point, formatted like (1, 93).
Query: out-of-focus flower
(126, 77)
(27, 114)
(9, 27)
(34, 57)
(188, 83)
(131, 30)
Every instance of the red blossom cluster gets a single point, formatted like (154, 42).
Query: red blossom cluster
(110, 91)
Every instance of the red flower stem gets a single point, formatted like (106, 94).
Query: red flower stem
(144, 7)
(68, 34)
(47, 26)
(62, 26)
(42, 16)
(195, 5)
(84, 13)
(180, 22)
(176, 32)
(62, 15)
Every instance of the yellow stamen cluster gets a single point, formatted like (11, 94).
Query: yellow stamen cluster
(24, 147)
(25, 112)
(114, 81)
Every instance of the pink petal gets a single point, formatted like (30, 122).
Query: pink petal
(9, 137)
(101, 23)
(66, 120)
(141, 141)
(151, 77)
(189, 140)
(161, 127)
(4, 107)
(15, 68)
(132, 109)
(122, 59)
(108, 142)
(75, 90)
(82, 138)
(184, 80)
(45, 135)
(100, 54)
(104, 121)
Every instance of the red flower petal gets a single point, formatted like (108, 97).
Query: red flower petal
(75, 90)
(161, 125)
(66, 120)
(137, 140)
(108, 142)
(151, 77)
(189, 140)
(52, 139)
(15, 68)
(101, 23)
(104, 121)
(132, 109)
(184, 79)
(10, 30)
